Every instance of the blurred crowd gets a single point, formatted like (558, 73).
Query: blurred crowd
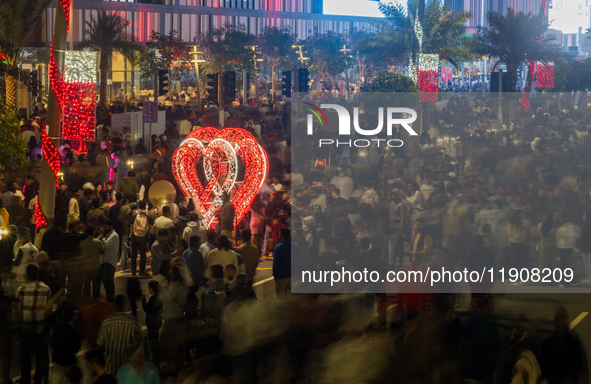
(468, 191)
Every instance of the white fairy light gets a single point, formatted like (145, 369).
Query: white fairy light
(80, 66)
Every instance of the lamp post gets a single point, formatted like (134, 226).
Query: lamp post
(256, 77)
(345, 50)
(302, 60)
(196, 61)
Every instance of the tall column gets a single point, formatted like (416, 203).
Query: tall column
(47, 183)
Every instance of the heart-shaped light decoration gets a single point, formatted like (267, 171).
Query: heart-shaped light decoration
(220, 150)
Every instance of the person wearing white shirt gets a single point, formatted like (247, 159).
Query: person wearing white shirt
(174, 208)
(185, 127)
(276, 184)
(27, 254)
(297, 179)
(165, 221)
(109, 259)
(567, 235)
(193, 228)
(336, 181)
(427, 188)
(73, 207)
(347, 185)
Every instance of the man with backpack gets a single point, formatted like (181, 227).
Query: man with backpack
(140, 225)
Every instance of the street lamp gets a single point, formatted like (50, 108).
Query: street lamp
(302, 60)
(345, 51)
(301, 53)
(196, 60)
(256, 77)
(130, 164)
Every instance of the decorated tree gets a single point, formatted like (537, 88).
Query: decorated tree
(327, 61)
(515, 39)
(276, 47)
(19, 19)
(228, 49)
(13, 151)
(417, 29)
(107, 33)
(165, 52)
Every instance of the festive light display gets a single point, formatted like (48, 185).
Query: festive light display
(66, 4)
(51, 154)
(78, 111)
(75, 89)
(428, 85)
(531, 68)
(40, 219)
(545, 75)
(532, 65)
(76, 93)
(418, 30)
(427, 73)
(428, 77)
(80, 66)
(220, 151)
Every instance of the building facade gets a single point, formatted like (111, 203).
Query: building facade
(480, 8)
(192, 17)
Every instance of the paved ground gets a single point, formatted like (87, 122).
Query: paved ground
(539, 307)
(263, 286)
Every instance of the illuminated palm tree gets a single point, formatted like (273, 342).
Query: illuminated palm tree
(515, 39)
(397, 41)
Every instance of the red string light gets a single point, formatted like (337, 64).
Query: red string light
(219, 150)
(51, 154)
(66, 4)
(78, 110)
(545, 76)
(524, 101)
(40, 219)
(77, 99)
(427, 82)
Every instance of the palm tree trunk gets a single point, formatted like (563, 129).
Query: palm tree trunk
(273, 82)
(512, 69)
(11, 85)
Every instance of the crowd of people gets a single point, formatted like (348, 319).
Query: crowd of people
(513, 194)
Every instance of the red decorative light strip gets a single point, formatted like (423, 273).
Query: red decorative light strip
(531, 71)
(51, 154)
(77, 101)
(66, 4)
(78, 110)
(427, 82)
(531, 75)
(40, 219)
(545, 76)
(219, 149)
